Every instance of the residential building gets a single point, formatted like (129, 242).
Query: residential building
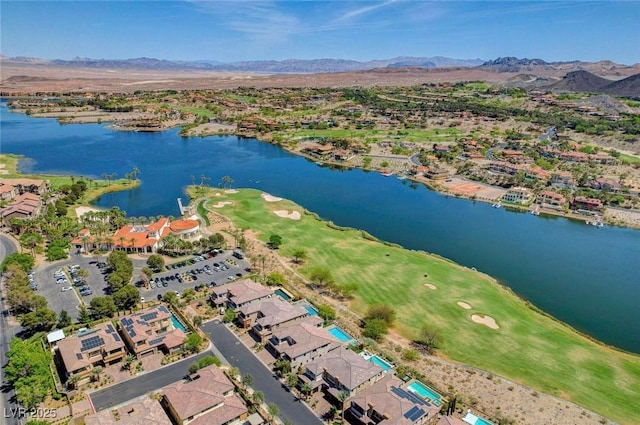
(583, 203)
(24, 206)
(301, 342)
(141, 412)
(150, 330)
(341, 370)
(264, 316)
(207, 398)
(7, 191)
(238, 294)
(35, 186)
(387, 402)
(186, 229)
(563, 179)
(553, 200)
(518, 195)
(579, 157)
(89, 348)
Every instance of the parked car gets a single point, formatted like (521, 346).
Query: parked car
(65, 288)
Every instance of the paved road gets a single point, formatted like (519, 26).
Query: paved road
(490, 152)
(415, 159)
(143, 384)
(7, 333)
(238, 355)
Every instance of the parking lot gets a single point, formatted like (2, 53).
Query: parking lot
(193, 274)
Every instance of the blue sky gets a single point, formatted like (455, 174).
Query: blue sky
(361, 30)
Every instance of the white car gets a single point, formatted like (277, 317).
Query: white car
(65, 288)
(141, 299)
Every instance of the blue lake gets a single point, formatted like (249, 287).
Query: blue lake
(585, 276)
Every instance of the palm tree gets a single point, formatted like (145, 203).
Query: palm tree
(72, 381)
(135, 173)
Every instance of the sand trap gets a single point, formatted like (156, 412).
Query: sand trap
(430, 286)
(217, 194)
(488, 321)
(80, 211)
(231, 191)
(270, 198)
(293, 215)
(464, 305)
(222, 204)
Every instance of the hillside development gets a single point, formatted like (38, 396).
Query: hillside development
(480, 323)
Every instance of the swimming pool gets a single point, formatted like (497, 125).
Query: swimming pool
(177, 324)
(311, 309)
(380, 362)
(340, 335)
(472, 419)
(424, 392)
(279, 292)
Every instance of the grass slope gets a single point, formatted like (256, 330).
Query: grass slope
(529, 347)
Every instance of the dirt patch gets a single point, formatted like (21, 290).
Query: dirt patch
(464, 305)
(430, 286)
(231, 191)
(488, 321)
(293, 215)
(222, 204)
(80, 211)
(270, 198)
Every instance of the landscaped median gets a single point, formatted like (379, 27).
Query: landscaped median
(481, 323)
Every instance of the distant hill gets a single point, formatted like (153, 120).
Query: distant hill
(512, 64)
(583, 81)
(268, 66)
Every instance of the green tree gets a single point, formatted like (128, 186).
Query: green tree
(102, 307)
(171, 298)
(275, 241)
(229, 316)
(321, 276)
(64, 319)
(292, 380)
(428, 339)
(30, 241)
(382, 312)
(193, 342)
(188, 294)
(156, 262)
(375, 329)
(126, 298)
(273, 410)
(83, 315)
(42, 319)
(28, 371)
(24, 260)
(299, 255)
(257, 397)
(327, 312)
(276, 279)
(217, 240)
(247, 381)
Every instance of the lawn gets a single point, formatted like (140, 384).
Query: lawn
(529, 347)
(431, 135)
(629, 159)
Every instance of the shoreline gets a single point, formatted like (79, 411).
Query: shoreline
(621, 218)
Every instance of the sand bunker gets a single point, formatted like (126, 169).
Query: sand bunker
(217, 194)
(464, 305)
(430, 286)
(488, 321)
(270, 198)
(293, 215)
(222, 204)
(231, 191)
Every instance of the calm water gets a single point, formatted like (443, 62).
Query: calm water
(587, 277)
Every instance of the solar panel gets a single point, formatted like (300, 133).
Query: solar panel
(408, 395)
(163, 309)
(90, 343)
(156, 341)
(149, 316)
(127, 321)
(117, 338)
(414, 413)
(110, 329)
(79, 356)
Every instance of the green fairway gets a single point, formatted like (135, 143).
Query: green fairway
(528, 347)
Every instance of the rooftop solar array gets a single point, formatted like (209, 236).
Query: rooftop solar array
(90, 343)
(116, 337)
(414, 413)
(157, 340)
(127, 321)
(163, 309)
(149, 316)
(110, 329)
(79, 356)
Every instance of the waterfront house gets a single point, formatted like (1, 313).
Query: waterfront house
(206, 398)
(563, 179)
(141, 237)
(387, 402)
(81, 353)
(518, 195)
(238, 294)
(23, 206)
(7, 191)
(341, 370)
(584, 203)
(301, 342)
(35, 186)
(151, 330)
(553, 200)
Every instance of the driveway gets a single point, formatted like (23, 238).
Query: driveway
(238, 355)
